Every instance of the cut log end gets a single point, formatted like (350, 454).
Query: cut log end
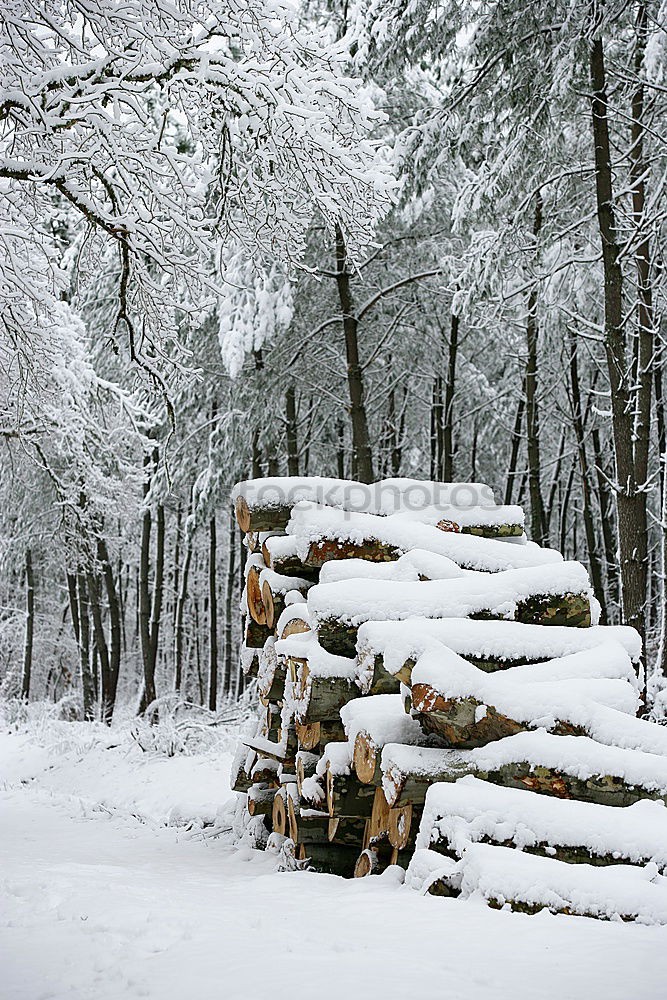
(269, 606)
(365, 758)
(254, 597)
(280, 819)
(295, 627)
(243, 517)
(367, 864)
(308, 735)
(330, 792)
(292, 825)
(400, 826)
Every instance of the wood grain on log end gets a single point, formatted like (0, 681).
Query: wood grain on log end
(243, 517)
(365, 758)
(280, 821)
(254, 597)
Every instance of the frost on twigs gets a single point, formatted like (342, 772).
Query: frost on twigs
(157, 136)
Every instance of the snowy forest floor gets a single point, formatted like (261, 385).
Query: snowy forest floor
(118, 880)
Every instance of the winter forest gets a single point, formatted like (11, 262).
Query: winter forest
(356, 239)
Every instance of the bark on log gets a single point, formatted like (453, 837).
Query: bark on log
(493, 530)
(267, 748)
(377, 829)
(404, 788)
(565, 609)
(250, 664)
(288, 565)
(311, 736)
(332, 859)
(347, 830)
(272, 717)
(404, 674)
(260, 801)
(573, 854)
(321, 698)
(271, 686)
(311, 828)
(256, 635)
(258, 518)
(306, 764)
(348, 797)
(340, 637)
(372, 550)
(455, 720)
(273, 736)
(337, 636)
(265, 770)
(289, 740)
(380, 681)
(241, 781)
(313, 795)
(442, 887)
(519, 906)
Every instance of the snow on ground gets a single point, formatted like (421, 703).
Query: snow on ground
(100, 899)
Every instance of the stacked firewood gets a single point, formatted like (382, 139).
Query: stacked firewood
(408, 686)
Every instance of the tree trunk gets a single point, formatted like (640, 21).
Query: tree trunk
(473, 451)
(606, 519)
(176, 573)
(290, 432)
(340, 450)
(630, 500)
(29, 625)
(645, 311)
(532, 412)
(436, 428)
(148, 694)
(389, 436)
(212, 618)
(100, 642)
(229, 602)
(450, 385)
(180, 610)
(555, 484)
(399, 437)
(87, 682)
(115, 633)
(362, 458)
(516, 444)
(156, 609)
(565, 509)
(589, 526)
(661, 664)
(73, 604)
(256, 457)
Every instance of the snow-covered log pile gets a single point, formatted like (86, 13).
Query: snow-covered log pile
(436, 693)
